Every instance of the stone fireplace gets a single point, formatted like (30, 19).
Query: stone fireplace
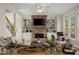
(39, 31)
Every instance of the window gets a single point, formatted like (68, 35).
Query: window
(66, 25)
(70, 26)
(73, 27)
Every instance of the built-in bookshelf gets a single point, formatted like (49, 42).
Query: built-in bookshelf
(27, 23)
(51, 25)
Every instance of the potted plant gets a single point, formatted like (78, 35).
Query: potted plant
(51, 42)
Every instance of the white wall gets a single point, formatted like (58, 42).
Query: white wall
(59, 23)
(18, 28)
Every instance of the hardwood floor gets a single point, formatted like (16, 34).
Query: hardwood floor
(33, 52)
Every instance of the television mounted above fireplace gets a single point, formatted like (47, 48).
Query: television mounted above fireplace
(39, 22)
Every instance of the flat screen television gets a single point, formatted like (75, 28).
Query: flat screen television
(39, 22)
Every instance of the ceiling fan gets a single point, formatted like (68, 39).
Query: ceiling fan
(40, 8)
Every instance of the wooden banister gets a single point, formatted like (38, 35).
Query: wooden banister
(10, 24)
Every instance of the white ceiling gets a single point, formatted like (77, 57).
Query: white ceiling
(50, 8)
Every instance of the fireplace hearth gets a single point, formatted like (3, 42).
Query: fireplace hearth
(38, 35)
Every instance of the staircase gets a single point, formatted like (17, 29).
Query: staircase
(10, 27)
